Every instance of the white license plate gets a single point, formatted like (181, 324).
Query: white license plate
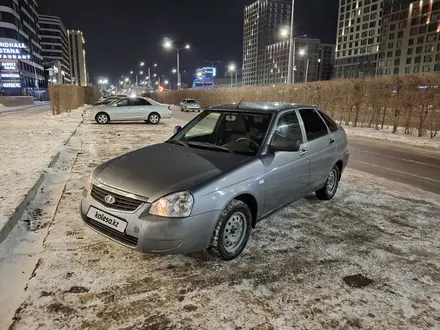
(107, 219)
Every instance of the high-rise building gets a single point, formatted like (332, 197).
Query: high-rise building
(326, 61)
(77, 53)
(410, 39)
(306, 61)
(20, 49)
(387, 37)
(358, 38)
(55, 49)
(263, 21)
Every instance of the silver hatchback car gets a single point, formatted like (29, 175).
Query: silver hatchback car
(209, 184)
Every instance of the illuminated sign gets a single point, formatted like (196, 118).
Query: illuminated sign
(12, 51)
(10, 75)
(14, 57)
(9, 65)
(11, 85)
(12, 45)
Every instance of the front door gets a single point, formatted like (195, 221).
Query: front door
(287, 173)
(320, 147)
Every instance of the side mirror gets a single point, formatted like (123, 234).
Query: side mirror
(177, 129)
(281, 143)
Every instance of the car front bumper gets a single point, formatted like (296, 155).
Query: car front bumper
(152, 234)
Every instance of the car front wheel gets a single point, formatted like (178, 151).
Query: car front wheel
(331, 185)
(102, 118)
(154, 118)
(232, 231)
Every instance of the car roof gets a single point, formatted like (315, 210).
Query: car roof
(260, 106)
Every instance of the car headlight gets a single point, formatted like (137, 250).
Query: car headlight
(89, 184)
(177, 205)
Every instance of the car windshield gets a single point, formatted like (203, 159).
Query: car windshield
(191, 101)
(236, 132)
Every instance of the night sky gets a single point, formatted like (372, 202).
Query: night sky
(119, 36)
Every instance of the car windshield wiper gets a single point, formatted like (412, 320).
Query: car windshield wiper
(173, 141)
(211, 145)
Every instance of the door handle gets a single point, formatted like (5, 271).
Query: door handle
(331, 140)
(303, 152)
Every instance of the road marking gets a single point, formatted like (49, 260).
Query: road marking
(396, 158)
(396, 171)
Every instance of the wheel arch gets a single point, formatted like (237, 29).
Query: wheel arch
(103, 112)
(251, 202)
(340, 166)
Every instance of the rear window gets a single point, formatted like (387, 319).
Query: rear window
(330, 122)
(315, 127)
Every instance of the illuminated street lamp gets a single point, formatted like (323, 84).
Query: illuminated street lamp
(168, 45)
(232, 68)
(142, 64)
(303, 52)
(174, 71)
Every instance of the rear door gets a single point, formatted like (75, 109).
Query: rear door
(139, 109)
(320, 147)
(287, 173)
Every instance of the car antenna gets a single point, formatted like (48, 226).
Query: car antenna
(238, 105)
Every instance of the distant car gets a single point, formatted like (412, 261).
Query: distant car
(190, 105)
(209, 184)
(106, 101)
(132, 109)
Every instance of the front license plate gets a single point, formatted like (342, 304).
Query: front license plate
(107, 219)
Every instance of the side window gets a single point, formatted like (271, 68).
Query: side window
(288, 126)
(315, 127)
(137, 101)
(333, 127)
(123, 103)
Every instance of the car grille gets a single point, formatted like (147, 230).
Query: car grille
(122, 203)
(112, 233)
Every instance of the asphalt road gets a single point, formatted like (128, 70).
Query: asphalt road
(416, 166)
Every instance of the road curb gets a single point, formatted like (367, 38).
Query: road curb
(19, 211)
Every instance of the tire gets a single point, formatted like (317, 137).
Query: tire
(181, 109)
(154, 118)
(102, 118)
(235, 216)
(331, 185)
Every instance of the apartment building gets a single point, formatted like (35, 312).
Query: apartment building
(263, 21)
(77, 57)
(55, 49)
(410, 41)
(358, 38)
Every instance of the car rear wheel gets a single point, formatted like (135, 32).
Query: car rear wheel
(154, 118)
(331, 185)
(232, 231)
(102, 118)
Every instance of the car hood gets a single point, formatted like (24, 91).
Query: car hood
(162, 169)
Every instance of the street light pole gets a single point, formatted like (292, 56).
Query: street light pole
(307, 68)
(290, 77)
(178, 69)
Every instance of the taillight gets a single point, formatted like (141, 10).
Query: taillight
(169, 107)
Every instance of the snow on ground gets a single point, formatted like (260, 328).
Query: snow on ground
(370, 259)
(29, 141)
(386, 134)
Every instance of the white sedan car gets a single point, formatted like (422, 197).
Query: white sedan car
(132, 109)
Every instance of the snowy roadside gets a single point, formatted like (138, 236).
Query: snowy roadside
(399, 137)
(367, 259)
(29, 143)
